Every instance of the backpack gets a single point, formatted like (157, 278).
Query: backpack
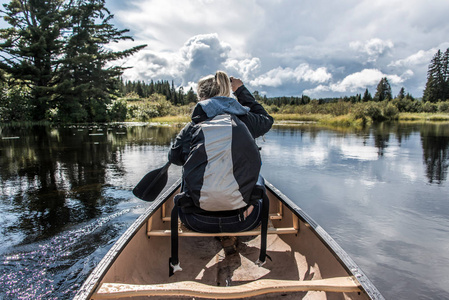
(223, 165)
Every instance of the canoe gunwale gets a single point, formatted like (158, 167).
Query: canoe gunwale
(346, 261)
(93, 281)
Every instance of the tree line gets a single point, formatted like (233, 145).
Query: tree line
(140, 89)
(383, 92)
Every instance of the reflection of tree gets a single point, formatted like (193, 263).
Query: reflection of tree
(435, 143)
(381, 135)
(51, 177)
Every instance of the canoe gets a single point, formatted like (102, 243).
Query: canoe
(306, 262)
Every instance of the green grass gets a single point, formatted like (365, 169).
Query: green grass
(323, 119)
(171, 119)
(424, 117)
(299, 117)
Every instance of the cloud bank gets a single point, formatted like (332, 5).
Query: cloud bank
(286, 47)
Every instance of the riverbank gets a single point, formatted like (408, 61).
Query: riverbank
(347, 120)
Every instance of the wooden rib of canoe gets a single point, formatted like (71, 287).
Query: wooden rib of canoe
(306, 262)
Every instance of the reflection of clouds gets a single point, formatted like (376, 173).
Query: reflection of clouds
(392, 151)
(296, 155)
(353, 182)
(379, 208)
(354, 150)
(313, 154)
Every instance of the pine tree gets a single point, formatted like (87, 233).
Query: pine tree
(32, 47)
(89, 83)
(383, 90)
(367, 96)
(437, 78)
(57, 48)
(191, 97)
(445, 71)
(401, 94)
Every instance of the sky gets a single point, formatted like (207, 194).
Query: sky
(319, 48)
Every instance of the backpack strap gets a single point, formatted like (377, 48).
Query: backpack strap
(261, 191)
(173, 262)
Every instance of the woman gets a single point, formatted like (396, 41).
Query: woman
(220, 159)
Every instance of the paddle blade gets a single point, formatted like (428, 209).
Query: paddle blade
(151, 185)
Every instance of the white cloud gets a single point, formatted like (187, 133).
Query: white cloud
(278, 76)
(201, 55)
(358, 81)
(419, 58)
(245, 67)
(373, 48)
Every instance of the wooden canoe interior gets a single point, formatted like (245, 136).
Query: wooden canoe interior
(302, 267)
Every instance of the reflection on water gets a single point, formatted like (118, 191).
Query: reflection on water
(53, 176)
(382, 193)
(435, 143)
(65, 197)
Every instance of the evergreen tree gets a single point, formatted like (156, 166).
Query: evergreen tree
(401, 94)
(32, 47)
(367, 96)
(191, 97)
(181, 95)
(383, 90)
(88, 80)
(57, 48)
(437, 85)
(445, 71)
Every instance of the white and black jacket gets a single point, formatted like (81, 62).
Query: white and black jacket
(220, 158)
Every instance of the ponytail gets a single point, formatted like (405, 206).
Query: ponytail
(211, 86)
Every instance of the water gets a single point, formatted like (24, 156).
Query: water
(382, 193)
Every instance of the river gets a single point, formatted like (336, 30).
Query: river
(381, 193)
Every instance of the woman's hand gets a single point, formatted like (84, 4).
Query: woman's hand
(235, 83)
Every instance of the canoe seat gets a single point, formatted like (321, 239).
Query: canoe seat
(184, 231)
(254, 288)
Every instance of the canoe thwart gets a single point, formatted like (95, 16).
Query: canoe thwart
(184, 231)
(195, 289)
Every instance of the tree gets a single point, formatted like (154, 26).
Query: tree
(191, 97)
(437, 85)
(367, 96)
(383, 90)
(401, 94)
(58, 48)
(31, 48)
(91, 82)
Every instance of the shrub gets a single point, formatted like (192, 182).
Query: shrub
(443, 106)
(429, 107)
(390, 112)
(154, 106)
(118, 110)
(373, 111)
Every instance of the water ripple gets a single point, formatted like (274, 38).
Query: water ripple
(37, 270)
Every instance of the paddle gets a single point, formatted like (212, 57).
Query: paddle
(150, 186)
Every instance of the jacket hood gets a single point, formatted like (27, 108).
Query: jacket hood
(219, 105)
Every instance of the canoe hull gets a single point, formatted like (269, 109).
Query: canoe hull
(302, 254)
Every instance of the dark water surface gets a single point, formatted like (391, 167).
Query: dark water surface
(382, 193)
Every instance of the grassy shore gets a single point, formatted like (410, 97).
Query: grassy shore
(424, 117)
(322, 119)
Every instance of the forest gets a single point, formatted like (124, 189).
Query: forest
(55, 67)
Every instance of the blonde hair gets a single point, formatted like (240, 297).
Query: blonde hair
(214, 85)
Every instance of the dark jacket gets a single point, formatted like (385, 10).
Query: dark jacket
(257, 120)
(219, 155)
